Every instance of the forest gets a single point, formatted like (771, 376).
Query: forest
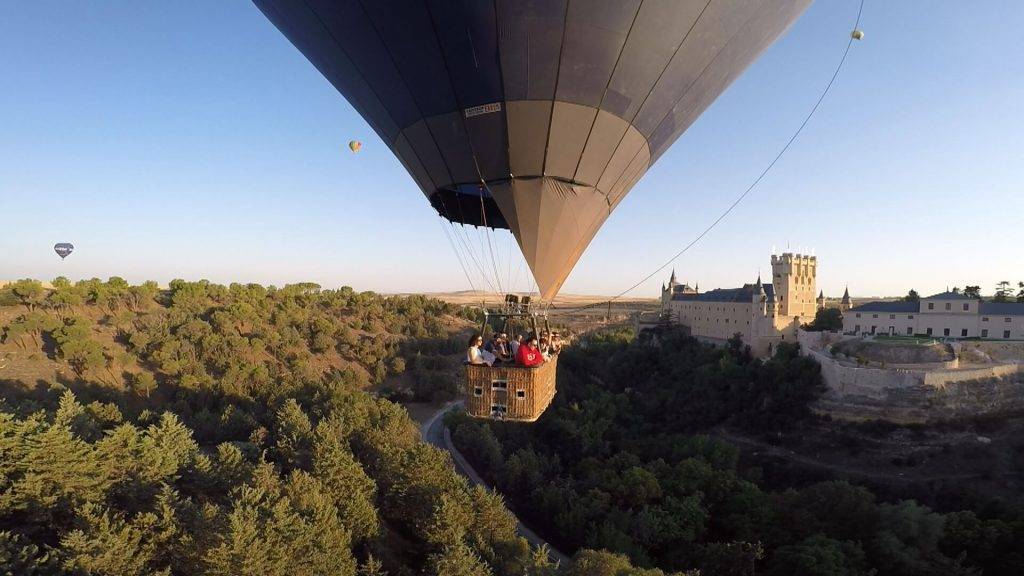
(238, 430)
(626, 460)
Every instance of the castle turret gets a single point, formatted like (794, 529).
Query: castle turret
(821, 299)
(845, 304)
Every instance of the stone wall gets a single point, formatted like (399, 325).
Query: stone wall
(909, 395)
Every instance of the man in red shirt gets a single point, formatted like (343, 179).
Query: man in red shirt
(528, 354)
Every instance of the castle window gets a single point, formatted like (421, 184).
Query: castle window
(984, 318)
(963, 333)
(931, 306)
(892, 316)
(910, 331)
(910, 316)
(945, 331)
(874, 315)
(1007, 319)
(858, 314)
(929, 332)
(984, 333)
(967, 306)
(949, 306)
(1006, 333)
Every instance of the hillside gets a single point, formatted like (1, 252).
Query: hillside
(207, 429)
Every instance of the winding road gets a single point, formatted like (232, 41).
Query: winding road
(434, 432)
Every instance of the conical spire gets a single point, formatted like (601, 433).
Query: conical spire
(821, 294)
(672, 280)
(846, 293)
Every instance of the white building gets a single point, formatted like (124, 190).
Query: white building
(949, 314)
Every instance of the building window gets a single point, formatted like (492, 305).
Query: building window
(929, 332)
(873, 329)
(984, 333)
(984, 318)
(910, 316)
(949, 306)
(520, 393)
(874, 315)
(945, 331)
(892, 316)
(910, 330)
(856, 329)
(499, 384)
(931, 306)
(478, 391)
(858, 314)
(963, 332)
(1006, 333)
(967, 306)
(1006, 319)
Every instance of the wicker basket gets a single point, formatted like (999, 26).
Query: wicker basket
(509, 392)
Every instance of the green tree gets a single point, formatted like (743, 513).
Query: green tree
(972, 291)
(29, 293)
(1004, 291)
(819, 555)
(457, 560)
(352, 491)
(826, 320)
(912, 296)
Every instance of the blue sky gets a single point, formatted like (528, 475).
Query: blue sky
(190, 139)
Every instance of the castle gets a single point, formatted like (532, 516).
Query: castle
(763, 314)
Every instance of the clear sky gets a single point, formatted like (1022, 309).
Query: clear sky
(190, 139)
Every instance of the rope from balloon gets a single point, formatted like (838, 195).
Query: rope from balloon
(857, 34)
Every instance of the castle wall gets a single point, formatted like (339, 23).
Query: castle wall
(912, 395)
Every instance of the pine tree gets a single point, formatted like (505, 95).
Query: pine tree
(352, 490)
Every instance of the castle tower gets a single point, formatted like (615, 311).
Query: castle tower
(795, 279)
(846, 304)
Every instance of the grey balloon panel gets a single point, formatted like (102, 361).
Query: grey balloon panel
(424, 145)
(408, 31)
(560, 106)
(528, 123)
(530, 42)
(595, 32)
(659, 29)
(467, 31)
(570, 127)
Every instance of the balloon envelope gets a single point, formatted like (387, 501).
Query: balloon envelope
(63, 249)
(355, 145)
(558, 107)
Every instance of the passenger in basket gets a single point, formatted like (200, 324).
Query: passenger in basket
(545, 349)
(476, 355)
(528, 354)
(513, 346)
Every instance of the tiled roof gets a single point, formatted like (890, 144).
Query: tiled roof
(744, 294)
(950, 296)
(895, 306)
(1003, 308)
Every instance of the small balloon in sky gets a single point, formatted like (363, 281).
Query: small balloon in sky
(857, 34)
(355, 145)
(63, 249)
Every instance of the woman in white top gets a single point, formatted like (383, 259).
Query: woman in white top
(477, 355)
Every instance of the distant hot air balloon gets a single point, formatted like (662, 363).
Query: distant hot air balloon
(558, 108)
(857, 34)
(355, 145)
(63, 249)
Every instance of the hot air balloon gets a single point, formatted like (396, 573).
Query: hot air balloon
(63, 249)
(355, 145)
(559, 107)
(536, 116)
(857, 34)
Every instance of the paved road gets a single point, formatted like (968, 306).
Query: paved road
(435, 432)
